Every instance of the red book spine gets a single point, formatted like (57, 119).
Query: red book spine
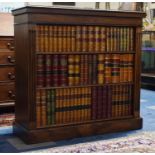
(105, 102)
(48, 70)
(63, 70)
(94, 103)
(99, 102)
(55, 68)
(109, 101)
(40, 71)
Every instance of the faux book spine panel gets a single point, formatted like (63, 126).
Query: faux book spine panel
(73, 69)
(66, 38)
(72, 105)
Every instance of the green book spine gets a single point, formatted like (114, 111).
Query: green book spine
(53, 105)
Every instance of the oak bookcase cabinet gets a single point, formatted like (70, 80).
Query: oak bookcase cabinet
(77, 72)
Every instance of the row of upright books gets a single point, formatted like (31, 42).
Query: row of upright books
(57, 38)
(69, 70)
(72, 105)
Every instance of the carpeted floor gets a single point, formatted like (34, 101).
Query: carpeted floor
(142, 140)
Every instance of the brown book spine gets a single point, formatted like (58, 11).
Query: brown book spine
(38, 109)
(108, 43)
(130, 67)
(111, 39)
(37, 40)
(64, 38)
(125, 67)
(113, 101)
(42, 40)
(117, 39)
(115, 68)
(90, 67)
(109, 101)
(78, 39)
(108, 68)
(84, 39)
(55, 38)
(59, 38)
(46, 34)
(68, 37)
(121, 68)
(50, 38)
(100, 69)
(71, 70)
(121, 39)
(43, 107)
(131, 39)
(128, 38)
(73, 38)
(77, 69)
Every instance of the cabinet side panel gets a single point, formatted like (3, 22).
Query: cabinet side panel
(21, 69)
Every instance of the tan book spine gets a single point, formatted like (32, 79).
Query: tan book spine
(42, 39)
(71, 70)
(55, 39)
(46, 33)
(97, 39)
(102, 39)
(108, 39)
(73, 38)
(78, 39)
(50, 38)
(37, 38)
(67, 103)
(84, 39)
(91, 38)
(117, 39)
(68, 37)
(64, 40)
(111, 39)
(59, 38)
(100, 69)
(77, 69)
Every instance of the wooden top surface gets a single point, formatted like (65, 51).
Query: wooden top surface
(77, 11)
(6, 24)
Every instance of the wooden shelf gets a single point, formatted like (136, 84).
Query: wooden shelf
(116, 52)
(79, 86)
